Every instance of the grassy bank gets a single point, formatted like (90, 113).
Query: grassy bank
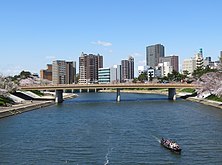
(187, 90)
(214, 98)
(4, 101)
(39, 93)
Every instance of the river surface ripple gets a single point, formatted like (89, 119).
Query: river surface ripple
(94, 129)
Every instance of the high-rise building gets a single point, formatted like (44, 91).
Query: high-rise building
(88, 68)
(153, 53)
(47, 73)
(71, 72)
(173, 61)
(59, 72)
(127, 69)
(63, 72)
(131, 67)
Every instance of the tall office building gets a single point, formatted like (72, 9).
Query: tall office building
(173, 61)
(131, 67)
(127, 69)
(58, 72)
(88, 68)
(46, 73)
(63, 72)
(71, 72)
(153, 53)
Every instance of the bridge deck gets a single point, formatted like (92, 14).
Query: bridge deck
(109, 86)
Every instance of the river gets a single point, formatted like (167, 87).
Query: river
(94, 129)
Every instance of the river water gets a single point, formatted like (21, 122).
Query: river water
(94, 129)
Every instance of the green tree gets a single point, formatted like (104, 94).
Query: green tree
(186, 73)
(174, 76)
(201, 71)
(135, 80)
(25, 74)
(143, 77)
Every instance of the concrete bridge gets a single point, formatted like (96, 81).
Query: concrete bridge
(61, 87)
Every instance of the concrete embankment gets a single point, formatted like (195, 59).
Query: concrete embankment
(23, 107)
(28, 106)
(206, 102)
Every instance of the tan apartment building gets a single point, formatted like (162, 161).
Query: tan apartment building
(89, 65)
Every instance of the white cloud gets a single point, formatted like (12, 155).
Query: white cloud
(50, 57)
(136, 55)
(141, 62)
(102, 43)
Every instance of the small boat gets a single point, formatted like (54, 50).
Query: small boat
(171, 145)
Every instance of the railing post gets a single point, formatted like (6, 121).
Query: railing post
(172, 93)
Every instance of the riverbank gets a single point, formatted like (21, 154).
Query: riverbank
(23, 107)
(212, 103)
(216, 104)
(29, 106)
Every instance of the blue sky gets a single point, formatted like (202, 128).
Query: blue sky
(36, 32)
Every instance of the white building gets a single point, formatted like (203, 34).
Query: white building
(150, 73)
(104, 75)
(109, 75)
(116, 74)
(164, 68)
(189, 65)
(142, 69)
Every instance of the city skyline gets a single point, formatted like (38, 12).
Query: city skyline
(34, 33)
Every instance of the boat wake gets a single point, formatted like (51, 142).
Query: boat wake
(156, 138)
(107, 156)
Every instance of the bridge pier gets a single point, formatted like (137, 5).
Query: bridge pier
(172, 93)
(118, 95)
(59, 96)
